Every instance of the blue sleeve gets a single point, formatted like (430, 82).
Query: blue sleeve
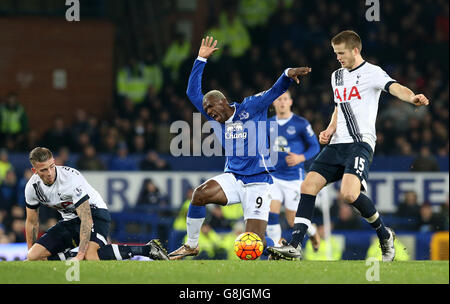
(310, 138)
(194, 88)
(262, 101)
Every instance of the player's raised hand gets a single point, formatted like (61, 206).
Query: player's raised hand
(420, 100)
(207, 47)
(295, 72)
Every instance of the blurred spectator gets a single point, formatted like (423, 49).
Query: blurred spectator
(81, 140)
(4, 239)
(347, 218)
(17, 226)
(110, 142)
(176, 53)
(80, 125)
(232, 213)
(89, 161)
(150, 198)
(444, 214)
(5, 165)
(63, 156)
(330, 249)
(149, 162)
(212, 247)
(132, 83)
(13, 122)
(216, 219)
(425, 162)
(3, 215)
(153, 74)
(409, 209)
(162, 165)
(152, 161)
(121, 161)
(430, 221)
(401, 252)
(58, 136)
(138, 145)
(27, 174)
(8, 191)
(180, 220)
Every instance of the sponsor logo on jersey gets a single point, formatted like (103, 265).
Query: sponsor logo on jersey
(235, 131)
(343, 95)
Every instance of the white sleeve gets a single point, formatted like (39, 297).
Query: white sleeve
(381, 80)
(31, 200)
(77, 189)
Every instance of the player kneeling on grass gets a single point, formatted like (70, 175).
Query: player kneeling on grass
(86, 219)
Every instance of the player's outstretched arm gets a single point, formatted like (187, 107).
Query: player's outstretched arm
(31, 226)
(295, 72)
(194, 88)
(84, 213)
(405, 94)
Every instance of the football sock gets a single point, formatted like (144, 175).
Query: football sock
(121, 252)
(367, 209)
(274, 228)
(194, 221)
(303, 218)
(269, 243)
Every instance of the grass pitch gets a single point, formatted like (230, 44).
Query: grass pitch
(224, 272)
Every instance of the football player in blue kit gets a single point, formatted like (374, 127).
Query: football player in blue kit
(241, 129)
(295, 143)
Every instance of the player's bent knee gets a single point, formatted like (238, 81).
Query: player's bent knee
(309, 187)
(199, 197)
(37, 252)
(349, 197)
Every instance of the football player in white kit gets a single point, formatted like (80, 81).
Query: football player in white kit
(350, 138)
(85, 222)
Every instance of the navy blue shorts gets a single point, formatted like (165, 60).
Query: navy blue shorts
(335, 160)
(65, 235)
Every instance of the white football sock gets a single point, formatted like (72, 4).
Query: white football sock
(193, 230)
(274, 232)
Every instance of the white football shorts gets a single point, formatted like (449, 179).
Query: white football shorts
(287, 192)
(254, 197)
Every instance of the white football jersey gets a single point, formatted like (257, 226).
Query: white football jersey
(69, 190)
(356, 94)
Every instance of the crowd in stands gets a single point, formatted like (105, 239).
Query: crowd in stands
(410, 43)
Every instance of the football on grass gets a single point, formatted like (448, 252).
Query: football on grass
(248, 246)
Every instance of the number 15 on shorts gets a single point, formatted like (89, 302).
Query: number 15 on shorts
(359, 165)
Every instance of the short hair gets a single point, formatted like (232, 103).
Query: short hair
(215, 94)
(350, 38)
(40, 155)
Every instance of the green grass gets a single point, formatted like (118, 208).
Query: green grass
(225, 272)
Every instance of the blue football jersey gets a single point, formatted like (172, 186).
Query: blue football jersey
(296, 136)
(244, 136)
